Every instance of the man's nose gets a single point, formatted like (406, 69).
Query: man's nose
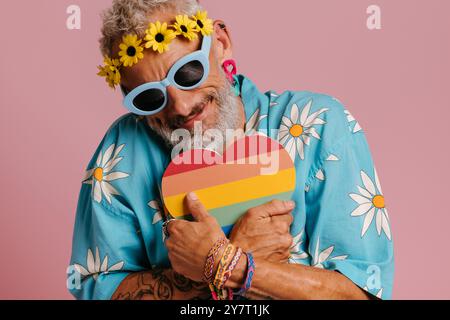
(180, 102)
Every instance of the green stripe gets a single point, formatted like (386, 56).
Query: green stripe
(230, 214)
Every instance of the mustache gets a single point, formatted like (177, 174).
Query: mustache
(177, 121)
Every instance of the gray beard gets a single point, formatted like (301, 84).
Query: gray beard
(227, 117)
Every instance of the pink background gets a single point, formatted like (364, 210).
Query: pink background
(393, 80)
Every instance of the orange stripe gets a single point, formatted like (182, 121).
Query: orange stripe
(235, 192)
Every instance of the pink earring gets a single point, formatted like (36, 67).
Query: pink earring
(229, 66)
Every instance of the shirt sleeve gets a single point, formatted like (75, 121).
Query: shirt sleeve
(107, 242)
(346, 219)
(106, 248)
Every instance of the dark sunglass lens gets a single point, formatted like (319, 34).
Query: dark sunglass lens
(149, 100)
(190, 74)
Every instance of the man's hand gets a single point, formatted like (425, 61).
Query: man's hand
(265, 231)
(189, 243)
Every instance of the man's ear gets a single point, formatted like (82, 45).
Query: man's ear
(223, 42)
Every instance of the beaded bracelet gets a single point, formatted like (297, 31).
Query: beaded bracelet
(249, 277)
(225, 261)
(209, 263)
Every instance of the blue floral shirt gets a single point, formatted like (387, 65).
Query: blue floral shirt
(340, 221)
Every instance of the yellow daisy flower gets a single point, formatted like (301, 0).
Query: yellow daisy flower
(158, 36)
(110, 70)
(131, 50)
(186, 27)
(204, 25)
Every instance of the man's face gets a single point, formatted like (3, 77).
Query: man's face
(213, 103)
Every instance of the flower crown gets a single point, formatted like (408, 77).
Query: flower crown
(158, 37)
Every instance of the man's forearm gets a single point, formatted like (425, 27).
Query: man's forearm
(295, 282)
(160, 284)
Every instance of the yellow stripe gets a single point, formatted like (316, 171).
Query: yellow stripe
(236, 192)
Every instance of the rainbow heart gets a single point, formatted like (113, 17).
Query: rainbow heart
(252, 171)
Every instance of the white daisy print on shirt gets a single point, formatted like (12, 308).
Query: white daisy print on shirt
(371, 204)
(296, 131)
(351, 119)
(322, 256)
(95, 266)
(101, 176)
(253, 123)
(296, 252)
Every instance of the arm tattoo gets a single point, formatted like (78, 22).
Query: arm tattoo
(184, 285)
(156, 284)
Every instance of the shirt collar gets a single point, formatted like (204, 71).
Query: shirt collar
(252, 98)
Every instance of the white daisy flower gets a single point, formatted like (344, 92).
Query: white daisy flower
(320, 257)
(296, 252)
(296, 131)
(95, 266)
(371, 203)
(351, 119)
(102, 175)
(253, 123)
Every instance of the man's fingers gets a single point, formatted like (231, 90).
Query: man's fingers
(286, 218)
(195, 207)
(173, 227)
(271, 209)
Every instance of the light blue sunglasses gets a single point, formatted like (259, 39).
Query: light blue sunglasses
(187, 73)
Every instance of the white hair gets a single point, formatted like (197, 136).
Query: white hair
(133, 16)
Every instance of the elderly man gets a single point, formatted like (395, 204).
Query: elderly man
(174, 67)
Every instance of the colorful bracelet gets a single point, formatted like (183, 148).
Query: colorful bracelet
(210, 259)
(217, 290)
(249, 277)
(232, 266)
(227, 264)
(224, 294)
(225, 261)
